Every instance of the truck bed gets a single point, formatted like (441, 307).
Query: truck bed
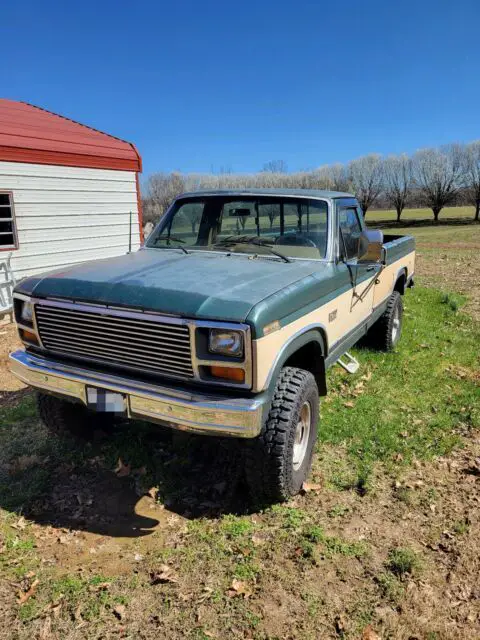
(396, 246)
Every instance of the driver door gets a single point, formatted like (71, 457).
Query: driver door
(362, 276)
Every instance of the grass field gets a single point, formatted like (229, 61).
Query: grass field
(447, 213)
(139, 535)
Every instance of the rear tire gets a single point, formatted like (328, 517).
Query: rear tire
(278, 461)
(386, 332)
(67, 418)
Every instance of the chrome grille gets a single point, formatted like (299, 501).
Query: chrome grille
(121, 339)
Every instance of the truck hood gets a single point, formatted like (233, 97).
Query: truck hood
(198, 285)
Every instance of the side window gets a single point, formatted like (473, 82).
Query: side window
(8, 232)
(350, 230)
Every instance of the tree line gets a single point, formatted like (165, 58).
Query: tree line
(433, 178)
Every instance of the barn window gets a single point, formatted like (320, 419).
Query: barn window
(8, 232)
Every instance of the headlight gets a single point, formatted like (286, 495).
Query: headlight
(26, 313)
(227, 343)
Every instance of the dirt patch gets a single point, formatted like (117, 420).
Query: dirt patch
(9, 341)
(451, 268)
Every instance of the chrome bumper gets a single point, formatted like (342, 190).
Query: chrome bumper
(189, 411)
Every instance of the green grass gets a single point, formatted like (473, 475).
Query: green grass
(77, 595)
(402, 562)
(330, 545)
(412, 405)
(390, 215)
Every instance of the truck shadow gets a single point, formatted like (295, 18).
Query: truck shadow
(124, 482)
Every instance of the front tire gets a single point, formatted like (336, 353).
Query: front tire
(279, 459)
(67, 418)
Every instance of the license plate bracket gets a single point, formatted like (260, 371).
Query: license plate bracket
(105, 401)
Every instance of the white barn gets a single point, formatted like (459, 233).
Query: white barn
(68, 193)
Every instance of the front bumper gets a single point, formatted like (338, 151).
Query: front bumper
(189, 411)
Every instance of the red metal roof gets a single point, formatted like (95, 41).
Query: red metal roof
(32, 134)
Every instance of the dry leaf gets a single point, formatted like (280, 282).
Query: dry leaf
(54, 607)
(257, 541)
(162, 575)
(20, 524)
(311, 486)
(46, 630)
(153, 492)
(349, 405)
(122, 470)
(369, 634)
(340, 623)
(207, 592)
(119, 611)
(23, 596)
(239, 588)
(102, 586)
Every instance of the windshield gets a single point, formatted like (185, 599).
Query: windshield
(294, 228)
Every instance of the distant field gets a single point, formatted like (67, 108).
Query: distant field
(447, 257)
(420, 214)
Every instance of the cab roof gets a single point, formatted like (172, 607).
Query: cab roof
(304, 193)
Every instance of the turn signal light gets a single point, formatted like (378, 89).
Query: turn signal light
(28, 336)
(228, 373)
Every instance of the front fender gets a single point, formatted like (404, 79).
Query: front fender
(315, 335)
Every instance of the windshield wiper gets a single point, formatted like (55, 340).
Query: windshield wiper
(165, 236)
(256, 242)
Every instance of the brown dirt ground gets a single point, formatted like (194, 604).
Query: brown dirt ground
(452, 267)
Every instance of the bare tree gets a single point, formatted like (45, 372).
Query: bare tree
(275, 166)
(472, 175)
(366, 175)
(335, 177)
(438, 174)
(397, 172)
(162, 188)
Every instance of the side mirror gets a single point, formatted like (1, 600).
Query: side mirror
(370, 246)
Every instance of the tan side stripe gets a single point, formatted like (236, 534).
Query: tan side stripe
(350, 313)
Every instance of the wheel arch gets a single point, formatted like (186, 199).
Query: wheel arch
(401, 281)
(306, 350)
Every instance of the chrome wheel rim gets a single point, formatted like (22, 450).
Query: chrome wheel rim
(302, 435)
(396, 325)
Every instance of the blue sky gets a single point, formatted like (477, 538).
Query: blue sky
(203, 85)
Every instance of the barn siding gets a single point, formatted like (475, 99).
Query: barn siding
(67, 215)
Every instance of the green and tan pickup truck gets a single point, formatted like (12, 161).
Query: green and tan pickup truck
(223, 324)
